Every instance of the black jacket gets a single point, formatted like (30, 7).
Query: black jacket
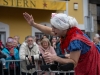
(2, 55)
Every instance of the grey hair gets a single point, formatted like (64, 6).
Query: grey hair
(29, 36)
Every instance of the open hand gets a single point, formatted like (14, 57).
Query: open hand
(54, 44)
(29, 18)
(30, 59)
(12, 51)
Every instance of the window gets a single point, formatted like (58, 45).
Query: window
(3, 37)
(98, 10)
(0, 36)
(98, 13)
(39, 35)
(94, 1)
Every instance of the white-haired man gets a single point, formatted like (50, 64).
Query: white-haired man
(29, 52)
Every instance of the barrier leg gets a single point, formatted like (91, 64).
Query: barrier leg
(1, 68)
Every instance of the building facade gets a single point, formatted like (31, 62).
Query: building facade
(13, 23)
(94, 11)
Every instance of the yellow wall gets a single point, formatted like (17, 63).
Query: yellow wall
(17, 24)
(78, 14)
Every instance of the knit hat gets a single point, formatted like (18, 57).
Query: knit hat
(9, 39)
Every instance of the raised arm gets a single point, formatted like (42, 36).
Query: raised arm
(44, 29)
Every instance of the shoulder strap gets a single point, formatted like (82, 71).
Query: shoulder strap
(25, 61)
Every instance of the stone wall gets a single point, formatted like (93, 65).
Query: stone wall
(93, 11)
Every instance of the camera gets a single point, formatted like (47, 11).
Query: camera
(47, 67)
(31, 65)
(56, 66)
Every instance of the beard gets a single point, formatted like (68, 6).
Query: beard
(30, 46)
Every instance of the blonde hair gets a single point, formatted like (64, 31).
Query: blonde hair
(46, 40)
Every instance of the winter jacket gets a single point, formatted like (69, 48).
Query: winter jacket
(9, 57)
(24, 50)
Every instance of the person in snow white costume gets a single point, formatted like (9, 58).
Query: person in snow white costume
(83, 52)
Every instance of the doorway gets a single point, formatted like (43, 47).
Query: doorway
(4, 32)
(3, 37)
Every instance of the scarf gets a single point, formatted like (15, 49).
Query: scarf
(44, 50)
(69, 35)
(0, 43)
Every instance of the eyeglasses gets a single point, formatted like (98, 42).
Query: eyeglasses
(29, 40)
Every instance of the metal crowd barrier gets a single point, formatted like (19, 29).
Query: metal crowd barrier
(14, 67)
(49, 72)
(58, 72)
